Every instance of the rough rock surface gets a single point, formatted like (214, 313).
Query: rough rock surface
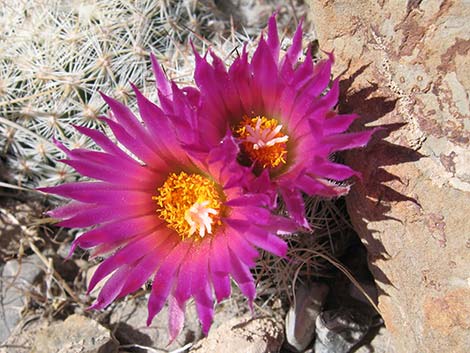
(405, 65)
(244, 335)
(77, 334)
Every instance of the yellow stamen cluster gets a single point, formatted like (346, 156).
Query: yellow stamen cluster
(263, 141)
(189, 204)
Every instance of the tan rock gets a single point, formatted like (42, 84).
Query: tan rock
(244, 335)
(405, 65)
(77, 334)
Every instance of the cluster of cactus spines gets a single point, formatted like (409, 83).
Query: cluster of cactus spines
(56, 56)
(309, 256)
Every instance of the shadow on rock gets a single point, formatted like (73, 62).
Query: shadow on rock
(126, 334)
(371, 199)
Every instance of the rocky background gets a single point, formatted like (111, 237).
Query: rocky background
(388, 268)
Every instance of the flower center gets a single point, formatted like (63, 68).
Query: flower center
(262, 141)
(189, 204)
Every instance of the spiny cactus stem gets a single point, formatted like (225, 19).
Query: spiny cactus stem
(21, 99)
(27, 131)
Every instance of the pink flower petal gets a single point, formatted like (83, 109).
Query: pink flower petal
(128, 121)
(135, 145)
(205, 306)
(128, 254)
(219, 259)
(273, 38)
(294, 51)
(319, 82)
(321, 187)
(104, 142)
(295, 206)
(331, 170)
(164, 279)
(265, 78)
(222, 286)
(69, 210)
(347, 141)
(146, 267)
(304, 73)
(91, 192)
(267, 241)
(120, 230)
(104, 172)
(162, 82)
(241, 247)
(159, 126)
(240, 75)
(242, 275)
(111, 288)
(338, 124)
(175, 317)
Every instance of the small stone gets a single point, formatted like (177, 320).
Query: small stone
(340, 330)
(301, 317)
(15, 281)
(77, 334)
(243, 335)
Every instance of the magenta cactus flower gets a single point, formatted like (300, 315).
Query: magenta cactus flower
(182, 217)
(281, 111)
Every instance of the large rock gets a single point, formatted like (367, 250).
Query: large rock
(405, 64)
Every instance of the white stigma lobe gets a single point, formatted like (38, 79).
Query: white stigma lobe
(198, 218)
(264, 137)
